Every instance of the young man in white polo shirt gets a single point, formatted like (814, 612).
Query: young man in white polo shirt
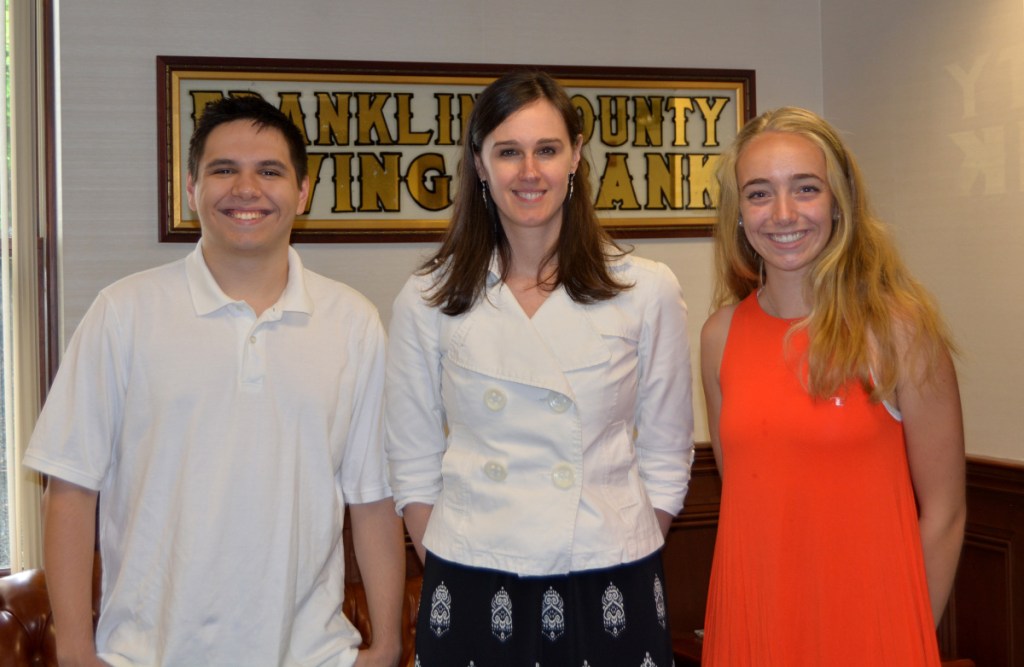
(224, 408)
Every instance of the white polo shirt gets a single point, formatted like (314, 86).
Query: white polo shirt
(224, 446)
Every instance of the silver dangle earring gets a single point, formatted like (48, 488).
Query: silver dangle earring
(571, 185)
(483, 192)
(760, 273)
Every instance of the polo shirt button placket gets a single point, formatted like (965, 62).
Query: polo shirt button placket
(254, 364)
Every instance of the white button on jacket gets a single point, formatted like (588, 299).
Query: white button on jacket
(558, 402)
(542, 443)
(495, 471)
(563, 476)
(494, 399)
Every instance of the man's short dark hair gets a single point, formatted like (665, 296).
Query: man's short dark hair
(250, 106)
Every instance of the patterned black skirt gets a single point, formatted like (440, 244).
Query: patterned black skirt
(475, 617)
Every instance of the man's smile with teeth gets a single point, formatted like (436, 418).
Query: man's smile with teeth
(246, 215)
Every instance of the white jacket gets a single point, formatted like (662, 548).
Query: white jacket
(542, 443)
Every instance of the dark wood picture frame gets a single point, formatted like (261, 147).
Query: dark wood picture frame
(653, 101)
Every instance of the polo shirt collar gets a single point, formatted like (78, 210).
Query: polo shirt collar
(207, 296)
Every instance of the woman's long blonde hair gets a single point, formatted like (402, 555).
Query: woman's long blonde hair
(867, 311)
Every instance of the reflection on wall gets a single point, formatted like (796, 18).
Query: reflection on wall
(930, 94)
(992, 89)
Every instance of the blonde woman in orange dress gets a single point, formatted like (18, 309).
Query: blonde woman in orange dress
(834, 415)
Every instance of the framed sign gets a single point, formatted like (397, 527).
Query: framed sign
(384, 139)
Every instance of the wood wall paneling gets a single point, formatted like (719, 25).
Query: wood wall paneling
(689, 547)
(987, 610)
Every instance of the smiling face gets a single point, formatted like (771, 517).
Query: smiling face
(526, 162)
(785, 200)
(246, 194)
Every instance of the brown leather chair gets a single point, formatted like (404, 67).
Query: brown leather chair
(26, 625)
(26, 631)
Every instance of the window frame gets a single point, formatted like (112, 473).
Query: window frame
(34, 258)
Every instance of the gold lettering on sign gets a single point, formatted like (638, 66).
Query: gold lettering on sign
(373, 128)
(406, 135)
(711, 110)
(614, 119)
(616, 191)
(200, 98)
(703, 185)
(290, 107)
(665, 181)
(586, 113)
(379, 177)
(444, 118)
(343, 183)
(680, 108)
(332, 115)
(648, 121)
(428, 182)
(407, 173)
(313, 164)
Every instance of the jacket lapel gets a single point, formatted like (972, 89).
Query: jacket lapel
(498, 340)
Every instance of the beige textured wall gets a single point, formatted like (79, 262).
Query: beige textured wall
(108, 106)
(930, 94)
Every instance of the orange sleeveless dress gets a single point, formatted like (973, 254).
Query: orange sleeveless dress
(818, 557)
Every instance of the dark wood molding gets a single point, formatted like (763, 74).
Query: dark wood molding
(996, 475)
(689, 547)
(986, 612)
(705, 494)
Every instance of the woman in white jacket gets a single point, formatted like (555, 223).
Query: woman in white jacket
(539, 418)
